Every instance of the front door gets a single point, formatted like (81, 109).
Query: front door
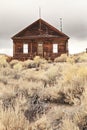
(40, 49)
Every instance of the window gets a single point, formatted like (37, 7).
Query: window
(25, 48)
(55, 48)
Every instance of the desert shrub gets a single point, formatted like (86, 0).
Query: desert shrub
(62, 95)
(6, 72)
(37, 77)
(38, 60)
(10, 74)
(82, 57)
(75, 74)
(21, 92)
(78, 58)
(28, 89)
(13, 120)
(71, 96)
(8, 102)
(51, 74)
(3, 57)
(70, 59)
(12, 97)
(55, 117)
(84, 96)
(4, 80)
(83, 123)
(29, 64)
(7, 98)
(3, 61)
(40, 76)
(16, 76)
(73, 84)
(80, 117)
(62, 58)
(50, 94)
(9, 59)
(18, 66)
(68, 124)
(42, 124)
(44, 66)
(36, 108)
(13, 62)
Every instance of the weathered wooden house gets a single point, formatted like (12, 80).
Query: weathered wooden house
(39, 39)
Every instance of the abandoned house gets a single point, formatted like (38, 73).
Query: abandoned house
(39, 39)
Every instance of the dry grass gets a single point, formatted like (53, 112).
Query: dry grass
(36, 95)
(13, 120)
(69, 125)
(78, 58)
(62, 58)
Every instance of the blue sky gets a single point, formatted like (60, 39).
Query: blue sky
(17, 14)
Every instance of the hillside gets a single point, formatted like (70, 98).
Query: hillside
(43, 95)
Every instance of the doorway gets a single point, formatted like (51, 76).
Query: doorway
(40, 49)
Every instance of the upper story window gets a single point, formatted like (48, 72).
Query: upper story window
(55, 48)
(25, 48)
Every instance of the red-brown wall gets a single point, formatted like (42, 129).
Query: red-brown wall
(33, 48)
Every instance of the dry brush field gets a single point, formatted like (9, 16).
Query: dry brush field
(43, 95)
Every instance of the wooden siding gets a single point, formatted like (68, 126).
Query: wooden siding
(33, 49)
(39, 32)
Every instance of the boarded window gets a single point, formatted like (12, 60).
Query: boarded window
(25, 48)
(55, 48)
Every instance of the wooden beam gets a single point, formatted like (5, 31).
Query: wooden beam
(31, 47)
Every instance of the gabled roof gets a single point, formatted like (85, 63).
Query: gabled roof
(40, 21)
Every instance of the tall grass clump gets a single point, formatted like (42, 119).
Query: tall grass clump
(38, 60)
(3, 61)
(62, 58)
(13, 120)
(81, 57)
(73, 85)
